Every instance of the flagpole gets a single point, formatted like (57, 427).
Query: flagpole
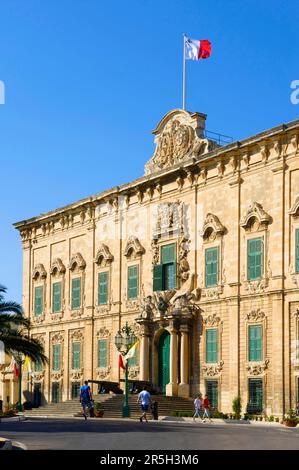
(184, 74)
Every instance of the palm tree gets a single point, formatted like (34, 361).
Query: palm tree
(14, 331)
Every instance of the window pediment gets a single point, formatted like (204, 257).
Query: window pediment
(212, 227)
(295, 207)
(255, 217)
(39, 272)
(103, 255)
(77, 261)
(133, 246)
(57, 267)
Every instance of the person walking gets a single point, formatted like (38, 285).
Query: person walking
(206, 407)
(85, 398)
(145, 399)
(197, 405)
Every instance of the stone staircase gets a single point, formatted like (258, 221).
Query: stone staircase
(112, 406)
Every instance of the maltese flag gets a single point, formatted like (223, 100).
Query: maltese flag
(196, 49)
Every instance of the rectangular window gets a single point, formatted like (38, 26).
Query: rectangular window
(56, 297)
(38, 366)
(76, 293)
(55, 392)
(56, 356)
(102, 353)
(255, 342)
(255, 404)
(103, 288)
(254, 258)
(211, 266)
(168, 261)
(76, 355)
(212, 345)
(133, 282)
(212, 392)
(297, 250)
(38, 300)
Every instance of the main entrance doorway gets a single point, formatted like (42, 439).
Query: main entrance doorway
(163, 357)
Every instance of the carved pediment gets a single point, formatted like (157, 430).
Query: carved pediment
(103, 255)
(169, 218)
(57, 267)
(255, 212)
(133, 246)
(77, 261)
(212, 226)
(179, 136)
(39, 272)
(295, 207)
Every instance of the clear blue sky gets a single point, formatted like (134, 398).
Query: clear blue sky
(86, 82)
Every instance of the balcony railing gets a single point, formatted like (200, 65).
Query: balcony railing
(219, 139)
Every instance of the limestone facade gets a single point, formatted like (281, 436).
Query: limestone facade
(195, 196)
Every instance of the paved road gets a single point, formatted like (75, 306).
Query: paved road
(54, 434)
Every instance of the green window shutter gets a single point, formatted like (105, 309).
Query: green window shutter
(76, 293)
(211, 266)
(76, 355)
(38, 300)
(297, 250)
(133, 282)
(254, 258)
(38, 366)
(255, 343)
(212, 345)
(169, 276)
(56, 297)
(168, 253)
(102, 353)
(56, 356)
(157, 277)
(103, 288)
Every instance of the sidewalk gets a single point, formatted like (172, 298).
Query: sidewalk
(176, 419)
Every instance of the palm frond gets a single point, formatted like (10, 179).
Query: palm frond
(9, 319)
(28, 346)
(10, 306)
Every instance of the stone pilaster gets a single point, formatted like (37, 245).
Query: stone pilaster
(184, 386)
(172, 387)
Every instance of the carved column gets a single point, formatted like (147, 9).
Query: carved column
(172, 387)
(184, 387)
(144, 349)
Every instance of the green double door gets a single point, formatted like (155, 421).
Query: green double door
(163, 357)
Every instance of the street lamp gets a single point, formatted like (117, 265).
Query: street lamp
(124, 340)
(20, 362)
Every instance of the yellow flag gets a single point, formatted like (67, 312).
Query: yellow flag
(131, 351)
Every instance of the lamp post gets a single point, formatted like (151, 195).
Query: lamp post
(124, 340)
(20, 362)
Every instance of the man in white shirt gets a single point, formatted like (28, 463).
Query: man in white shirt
(197, 405)
(145, 399)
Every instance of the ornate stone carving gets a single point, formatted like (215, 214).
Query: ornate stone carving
(170, 217)
(147, 308)
(256, 287)
(38, 376)
(255, 315)
(133, 372)
(77, 261)
(212, 225)
(204, 175)
(159, 189)
(150, 192)
(246, 160)
(212, 293)
(221, 169)
(57, 337)
(103, 256)
(255, 211)
(294, 211)
(103, 372)
(257, 368)
(77, 335)
(139, 195)
(39, 272)
(76, 375)
(155, 251)
(183, 265)
(211, 370)
(179, 136)
(180, 182)
(57, 267)
(264, 150)
(57, 376)
(212, 320)
(103, 333)
(132, 305)
(134, 247)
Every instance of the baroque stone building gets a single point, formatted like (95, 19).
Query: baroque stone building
(200, 256)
